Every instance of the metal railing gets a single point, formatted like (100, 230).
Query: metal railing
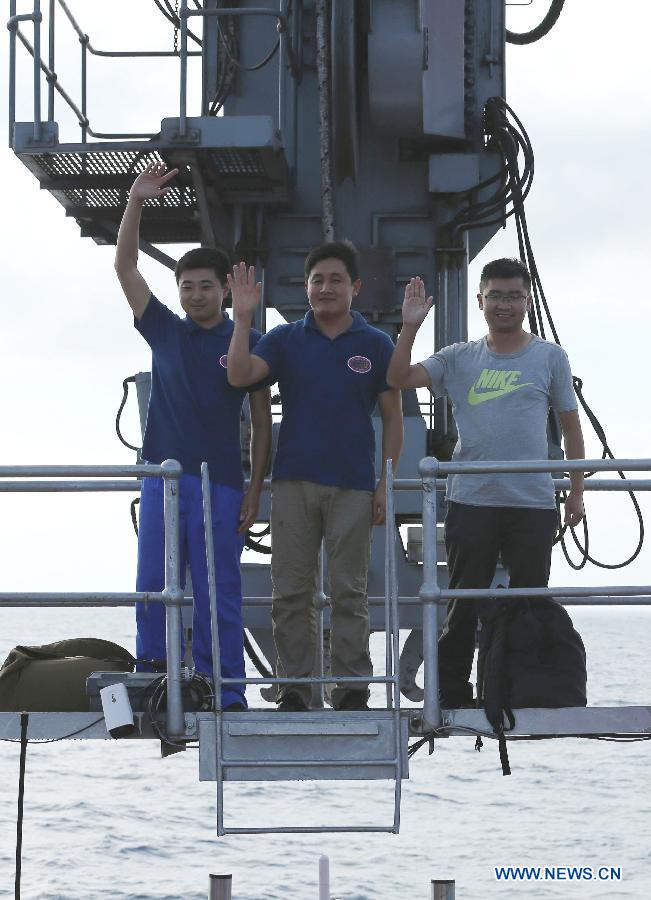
(77, 478)
(431, 593)
(171, 595)
(287, 57)
(73, 479)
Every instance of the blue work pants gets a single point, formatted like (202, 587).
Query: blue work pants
(150, 617)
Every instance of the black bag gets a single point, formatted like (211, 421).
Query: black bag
(530, 655)
(52, 678)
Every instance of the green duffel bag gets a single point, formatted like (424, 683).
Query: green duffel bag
(52, 678)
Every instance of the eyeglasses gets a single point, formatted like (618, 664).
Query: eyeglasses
(498, 296)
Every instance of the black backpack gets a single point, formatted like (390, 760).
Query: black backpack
(530, 655)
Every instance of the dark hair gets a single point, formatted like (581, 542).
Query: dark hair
(505, 268)
(204, 258)
(343, 250)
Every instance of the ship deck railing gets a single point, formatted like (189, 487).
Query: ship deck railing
(236, 745)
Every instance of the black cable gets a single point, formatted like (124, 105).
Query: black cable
(507, 135)
(134, 517)
(530, 37)
(168, 11)
(607, 454)
(253, 540)
(240, 65)
(227, 33)
(202, 692)
(255, 659)
(125, 394)
(24, 721)
(447, 731)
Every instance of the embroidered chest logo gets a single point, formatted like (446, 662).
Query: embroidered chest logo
(494, 383)
(223, 361)
(360, 364)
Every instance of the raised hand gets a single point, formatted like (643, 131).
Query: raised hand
(244, 290)
(150, 184)
(415, 307)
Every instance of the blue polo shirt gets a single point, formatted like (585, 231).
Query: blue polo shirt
(329, 389)
(194, 413)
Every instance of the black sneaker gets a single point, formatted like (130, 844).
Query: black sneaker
(353, 700)
(292, 702)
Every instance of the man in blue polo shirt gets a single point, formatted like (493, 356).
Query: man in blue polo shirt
(331, 368)
(194, 416)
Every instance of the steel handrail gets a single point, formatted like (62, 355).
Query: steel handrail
(399, 484)
(80, 111)
(172, 595)
(13, 24)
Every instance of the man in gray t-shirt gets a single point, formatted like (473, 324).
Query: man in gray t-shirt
(501, 389)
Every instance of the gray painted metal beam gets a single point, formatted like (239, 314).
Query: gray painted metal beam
(60, 726)
(567, 722)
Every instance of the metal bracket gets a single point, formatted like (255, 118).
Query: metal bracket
(192, 136)
(23, 136)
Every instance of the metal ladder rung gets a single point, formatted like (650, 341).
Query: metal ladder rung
(285, 729)
(299, 763)
(313, 829)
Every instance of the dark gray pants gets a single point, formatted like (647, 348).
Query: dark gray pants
(475, 536)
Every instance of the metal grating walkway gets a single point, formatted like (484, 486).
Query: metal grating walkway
(235, 164)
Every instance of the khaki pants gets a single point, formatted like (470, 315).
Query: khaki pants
(302, 514)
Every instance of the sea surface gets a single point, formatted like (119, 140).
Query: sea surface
(114, 820)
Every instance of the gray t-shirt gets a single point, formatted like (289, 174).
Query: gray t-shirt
(500, 404)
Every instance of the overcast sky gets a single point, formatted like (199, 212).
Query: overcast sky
(67, 340)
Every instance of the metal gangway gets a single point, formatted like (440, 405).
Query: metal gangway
(266, 745)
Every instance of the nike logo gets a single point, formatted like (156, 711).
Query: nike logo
(499, 382)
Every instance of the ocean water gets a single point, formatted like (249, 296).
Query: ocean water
(114, 820)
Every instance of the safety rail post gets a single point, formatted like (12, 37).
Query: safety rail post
(12, 26)
(283, 29)
(389, 549)
(84, 81)
(171, 472)
(216, 652)
(38, 18)
(50, 62)
(320, 603)
(430, 595)
(212, 584)
(183, 100)
(392, 630)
